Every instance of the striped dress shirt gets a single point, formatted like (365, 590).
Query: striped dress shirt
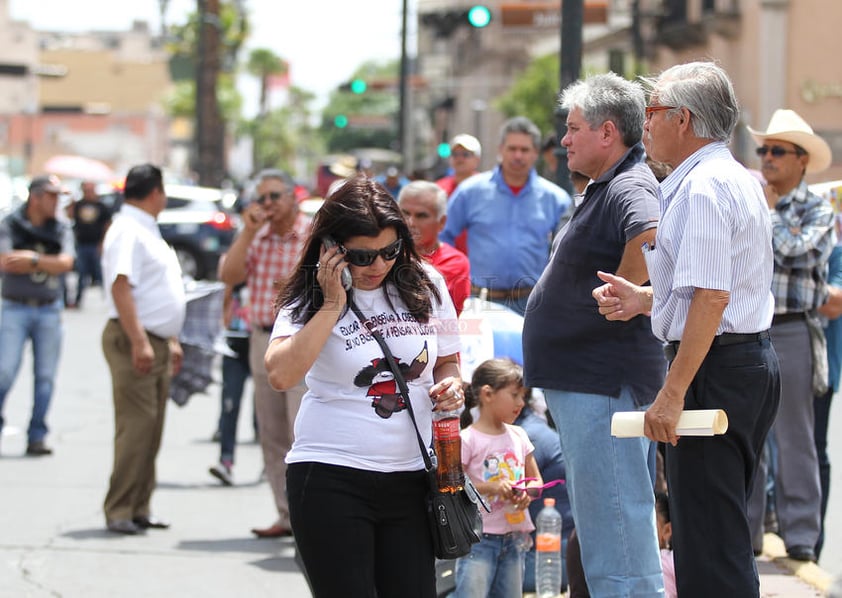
(715, 233)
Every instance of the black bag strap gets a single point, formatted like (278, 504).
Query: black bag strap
(428, 463)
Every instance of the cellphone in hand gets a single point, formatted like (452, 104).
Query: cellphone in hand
(346, 273)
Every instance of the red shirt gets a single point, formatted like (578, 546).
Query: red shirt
(456, 269)
(271, 258)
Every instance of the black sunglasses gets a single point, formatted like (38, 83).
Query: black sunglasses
(366, 257)
(776, 150)
(273, 195)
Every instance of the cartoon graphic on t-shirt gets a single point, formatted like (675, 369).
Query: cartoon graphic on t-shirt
(383, 388)
(502, 466)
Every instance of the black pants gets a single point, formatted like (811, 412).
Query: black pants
(362, 533)
(709, 478)
(821, 411)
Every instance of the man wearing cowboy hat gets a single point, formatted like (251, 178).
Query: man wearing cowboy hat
(802, 239)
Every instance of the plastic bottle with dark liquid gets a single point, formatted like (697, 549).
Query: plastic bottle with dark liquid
(448, 445)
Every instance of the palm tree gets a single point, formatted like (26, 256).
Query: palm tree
(263, 64)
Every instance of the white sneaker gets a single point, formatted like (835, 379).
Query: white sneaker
(222, 472)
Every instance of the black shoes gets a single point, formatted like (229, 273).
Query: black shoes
(122, 526)
(137, 525)
(802, 553)
(38, 449)
(144, 522)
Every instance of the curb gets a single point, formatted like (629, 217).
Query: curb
(810, 573)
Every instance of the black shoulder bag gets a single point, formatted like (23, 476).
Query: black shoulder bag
(454, 518)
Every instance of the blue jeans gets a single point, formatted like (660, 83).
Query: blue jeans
(235, 372)
(493, 569)
(609, 482)
(88, 267)
(42, 325)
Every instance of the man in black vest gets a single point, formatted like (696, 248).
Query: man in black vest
(35, 250)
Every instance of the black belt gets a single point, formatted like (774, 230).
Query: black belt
(790, 317)
(151, 335)
(723, 340)
(497, 294)
(31, 302)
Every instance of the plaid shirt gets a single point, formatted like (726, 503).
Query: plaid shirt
(271, 258)
(802, 238)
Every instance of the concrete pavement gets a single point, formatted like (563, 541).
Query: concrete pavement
(52, 537)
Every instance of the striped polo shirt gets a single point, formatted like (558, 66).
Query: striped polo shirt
(715, 233)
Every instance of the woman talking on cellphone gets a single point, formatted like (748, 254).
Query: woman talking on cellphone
(355, 477)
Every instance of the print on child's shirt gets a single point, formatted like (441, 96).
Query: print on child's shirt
(504, 466)
(383, 388)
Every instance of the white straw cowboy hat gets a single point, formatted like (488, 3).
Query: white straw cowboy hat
(786, 125)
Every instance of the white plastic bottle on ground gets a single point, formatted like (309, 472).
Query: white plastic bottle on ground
(548, 551)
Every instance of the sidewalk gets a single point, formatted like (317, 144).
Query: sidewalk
(784, 577)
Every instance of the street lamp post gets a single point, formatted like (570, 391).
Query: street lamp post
(570, 59)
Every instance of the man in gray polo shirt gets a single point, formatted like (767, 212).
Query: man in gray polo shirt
(35, 249)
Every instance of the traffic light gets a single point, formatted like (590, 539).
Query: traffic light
(479, 16)
(443, 150)
(357, 86)
(445, 23)
(340, 121)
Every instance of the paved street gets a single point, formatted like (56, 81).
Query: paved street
(52, 537)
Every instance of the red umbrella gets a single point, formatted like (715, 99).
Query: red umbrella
(79, 167)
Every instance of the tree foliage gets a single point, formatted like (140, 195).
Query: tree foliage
(381, 99)
(535, 93)
(283, 136)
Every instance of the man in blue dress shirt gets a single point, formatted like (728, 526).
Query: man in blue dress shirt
(511, 214)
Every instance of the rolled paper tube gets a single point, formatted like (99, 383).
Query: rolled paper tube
(693, 422)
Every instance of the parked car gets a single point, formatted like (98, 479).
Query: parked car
(198, 223)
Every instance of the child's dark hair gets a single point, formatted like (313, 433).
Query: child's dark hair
(496, 373)
(662, 505)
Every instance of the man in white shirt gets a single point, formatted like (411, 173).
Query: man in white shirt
(711, 303)
(146, 310)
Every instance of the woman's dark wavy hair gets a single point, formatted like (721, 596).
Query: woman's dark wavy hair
(358, 207)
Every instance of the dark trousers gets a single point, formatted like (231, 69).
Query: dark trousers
(362, 533)
(88, 267)
(709, 478)
(821, 411)
(235, 372)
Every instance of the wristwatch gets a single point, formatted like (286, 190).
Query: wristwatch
(34, 261)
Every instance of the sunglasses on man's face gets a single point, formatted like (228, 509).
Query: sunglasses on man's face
(534, 492)
(272, 195)
(366, 257)
(776, 150)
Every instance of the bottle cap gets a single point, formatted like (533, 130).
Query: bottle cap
(549, 502)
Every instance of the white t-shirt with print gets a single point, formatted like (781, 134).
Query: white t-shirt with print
(337, 422)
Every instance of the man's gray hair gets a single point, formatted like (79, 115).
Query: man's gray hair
(521, 124)
(424, 188)
(276, 173)
(706, 91)
(609, 97)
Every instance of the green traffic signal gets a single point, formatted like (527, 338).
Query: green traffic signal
(358, 86)
(341, 121)
(479, 16)
(444, 150)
